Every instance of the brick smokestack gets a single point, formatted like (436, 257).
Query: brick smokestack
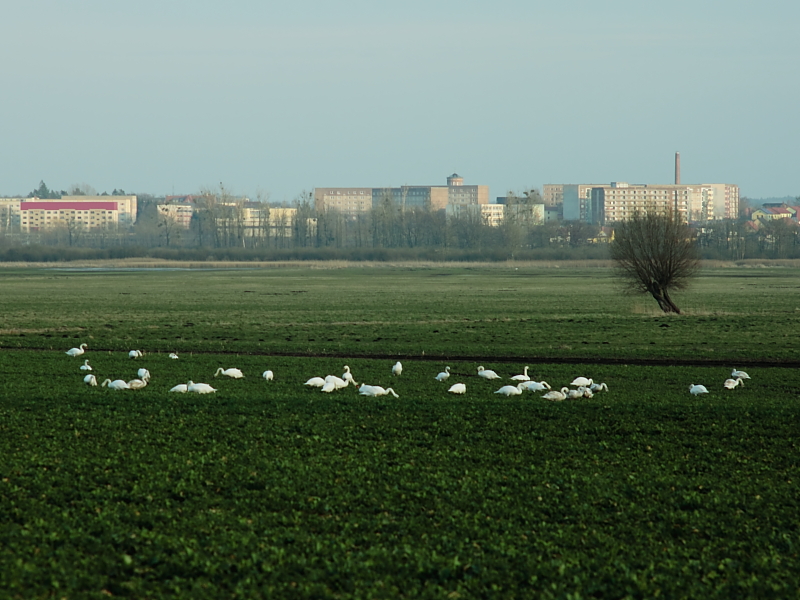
(677, 168)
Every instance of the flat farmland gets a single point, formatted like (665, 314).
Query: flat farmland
(272, 489)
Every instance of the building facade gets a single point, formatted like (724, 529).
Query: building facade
(38, 215)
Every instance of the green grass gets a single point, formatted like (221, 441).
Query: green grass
(272, 489)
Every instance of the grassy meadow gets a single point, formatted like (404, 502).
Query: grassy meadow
(276, 490)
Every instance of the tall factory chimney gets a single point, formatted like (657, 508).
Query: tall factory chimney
(677, 168)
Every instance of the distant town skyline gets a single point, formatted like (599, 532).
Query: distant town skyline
(171, 97)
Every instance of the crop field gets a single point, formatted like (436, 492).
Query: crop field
(273, 489)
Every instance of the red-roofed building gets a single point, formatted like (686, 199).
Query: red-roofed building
(39, 215)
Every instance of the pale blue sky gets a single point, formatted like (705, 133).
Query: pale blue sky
(280, 97)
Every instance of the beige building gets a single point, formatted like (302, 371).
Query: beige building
(40, 215)
(354, 201)
(126, 205)
(601, 204)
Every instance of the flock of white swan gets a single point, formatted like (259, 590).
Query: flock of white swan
(582, 387)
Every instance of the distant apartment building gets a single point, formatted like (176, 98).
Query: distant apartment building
(126, 205)
(39, 215)
(617, 201)
(181, 214)
(360, 200)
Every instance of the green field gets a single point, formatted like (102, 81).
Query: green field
(273, 489)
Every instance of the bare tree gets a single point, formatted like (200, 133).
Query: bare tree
(654, 255)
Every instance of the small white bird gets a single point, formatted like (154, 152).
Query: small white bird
(732, 383)
(523, 377)
(581, 381)
(136, 384)
(232, 372)
(735, 374)
(173, 356)
(397, 369)
(315, 382)
(90, 380)
(458, 388)
(596, 387)
(181, 387)
(535, 386)
(697, 389)
(510, 390)
(556, 395)
(117, 384)
(487, 374)
(86, 366)
(444, 375)
(76, 351)
(347, 376)
(199, 388)
(268, 375)
(144, 374)
(135, 354)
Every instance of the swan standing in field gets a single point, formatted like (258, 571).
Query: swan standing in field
(117, 384)
(86, 366)
(397, 369)
(376, 390)
(315, 382)
(739, 374)
(90, 380)
(268, 375)
(487, 373)
(732, 383)
(137, 384)
(77, 351)
(173, 356)
(556, 395)
(181, 387)
(135, 354)
(510, 390)
(458, 388)
(535, 386)
(144, 375)
(338, 382)
(697, 389)
(199, 388)
(347, 376)
(581, 381)
(597, 387)
(523, 377)
(444, 375)
(575, 394)
(235, 373)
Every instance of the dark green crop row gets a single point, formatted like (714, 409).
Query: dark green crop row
(275, 490)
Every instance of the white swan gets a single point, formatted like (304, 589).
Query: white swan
(338, 382)
(315, 382)
(235, 373)
(173, 356)
(268, 375)
(397, 369)
(86, 366)
(347, 376)
(574, 394)
(135, 354)
(376, 390)
(458, 388)
(535, 386)
(444, 375)
(510, 390)
(697, 389)
(581, 381)
(199, 388)
(90, 380)
(143, 374)
(328, 386)
(117, 384)
(597, 387)
(588, 393)
(137, 384)
(556, 395)
(732, 383)
(523, 377)
(181, 387)
(487, 374)
(77, 351)
(366, 390)
(736, 374)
